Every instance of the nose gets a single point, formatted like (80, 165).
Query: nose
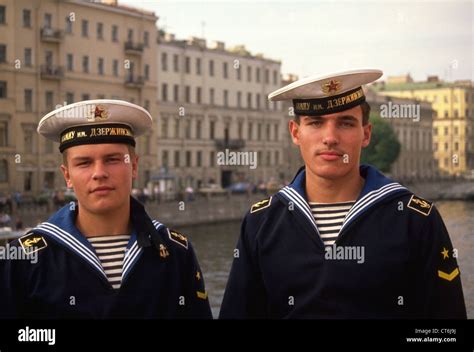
(330, 137)
(100, 171)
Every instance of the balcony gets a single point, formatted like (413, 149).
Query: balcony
(51, 35)
(132, 48)
(230, 143)
(134, 82)
(52, 72)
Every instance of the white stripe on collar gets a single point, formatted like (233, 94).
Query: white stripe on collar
(369, 199)
(301, 203)
(131, 256)
(70, 241)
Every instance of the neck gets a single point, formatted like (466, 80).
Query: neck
(104, 224)
(343, 189)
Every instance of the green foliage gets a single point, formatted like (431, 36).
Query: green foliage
(384, 146)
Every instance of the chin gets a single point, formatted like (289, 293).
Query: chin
(331, 171)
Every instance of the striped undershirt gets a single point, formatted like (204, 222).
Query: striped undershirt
(329, 219)
(111, 251)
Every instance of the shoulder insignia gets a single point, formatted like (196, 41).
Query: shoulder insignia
(32, 243)
(420, 205)
(448, 276)
(201, 295)
(261, 205)
(178, 238)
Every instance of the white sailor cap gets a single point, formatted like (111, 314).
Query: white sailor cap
(94, 122)
(327, 94)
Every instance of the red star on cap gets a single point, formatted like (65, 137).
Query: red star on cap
(332, 86)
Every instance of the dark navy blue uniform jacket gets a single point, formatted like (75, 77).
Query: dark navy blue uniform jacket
(161, 276)
(281, 268)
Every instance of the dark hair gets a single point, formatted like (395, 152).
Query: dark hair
(365, 114)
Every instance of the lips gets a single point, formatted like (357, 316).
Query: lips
(329, 155)
(102, 189)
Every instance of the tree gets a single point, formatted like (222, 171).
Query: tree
(384, 146)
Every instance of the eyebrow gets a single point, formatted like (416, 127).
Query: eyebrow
(81, 158)
(339, 118)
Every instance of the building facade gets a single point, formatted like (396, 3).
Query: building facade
(213, 102)
(59, 52)
(453, 132)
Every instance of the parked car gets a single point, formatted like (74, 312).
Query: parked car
(242, 187)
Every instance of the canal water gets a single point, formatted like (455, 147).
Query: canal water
(214, 245)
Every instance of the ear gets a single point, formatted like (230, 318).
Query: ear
(367, 134)
(67, 176)
(293, 126)
(135, 167)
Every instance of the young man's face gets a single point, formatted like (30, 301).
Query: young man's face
(101, 175)
(331, 144)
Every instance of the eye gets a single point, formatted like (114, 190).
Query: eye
(113, 160)
(347, 124)
(83, 163)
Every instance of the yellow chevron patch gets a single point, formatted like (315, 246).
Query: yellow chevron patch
(261, 205)
(201, 295)
(447, 276)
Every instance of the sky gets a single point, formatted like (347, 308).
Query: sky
(318, 37)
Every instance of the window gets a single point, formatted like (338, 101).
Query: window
(147, 72)
(250, 131)
(257, 73)
(275, 77)
(198, 158)
(3, 53)
(3, 89)
(164, 158)
(85, 28)
(226, 97)
(187, 94)
(249, 100)
(176, 128)
(100, 30)
(239, 99)
(212, 158)
(28, 61)
(85, 64)
(211, 96)
(115, 33)
(456, 146)
(2, 14)
(146, 104)
(225, 71)
(49, 97)
(267, 76)
(28, 99)
(130, 36)
(187, 129)
(211, 68)
(277, 157)
(456, 130)
(164, 127)
(176, 92)
(257, 99)
(86, 96)
(176, 63)
(239, 74)
(28, 140)
(146, 39)
(198, 66)
(100, 66)
(240, 129)
(164, 91)
(28, 181)
(198, 129)
(259, 131)
(446, 131)
(70, 62)
(115, 67)
(456, 113)
(47, 20)
(69, 98)
(3, 170)
(187, 64)
(198, 95)
(249, 73)
(26, 18)
(164, 62)
(3, 134)
(268, 132)
(68, 25)
(176, 158)
(269, 157)
(277, 132)
(212, 129)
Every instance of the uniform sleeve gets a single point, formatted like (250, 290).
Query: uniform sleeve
(244, 296)
(198, 303)
(439, 292)
(11, 290)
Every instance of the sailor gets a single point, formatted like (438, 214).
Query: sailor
(102, 256)
(342, 240)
